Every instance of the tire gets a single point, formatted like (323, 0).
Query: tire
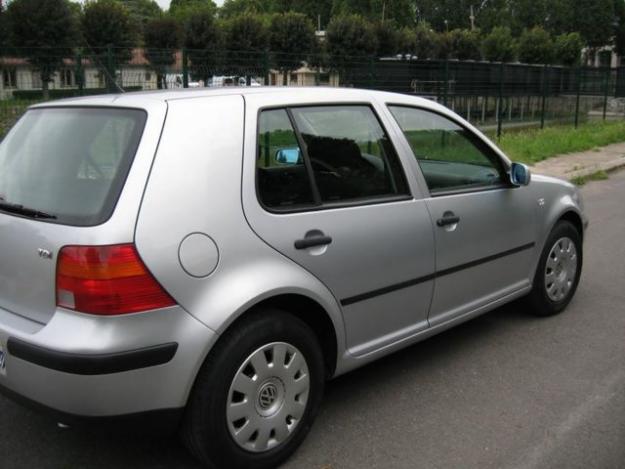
(562, 253)
(212, 428)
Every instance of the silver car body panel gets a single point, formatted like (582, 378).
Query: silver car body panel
(194, 174)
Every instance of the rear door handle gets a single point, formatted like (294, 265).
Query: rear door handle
(447, 220)
(313, 241)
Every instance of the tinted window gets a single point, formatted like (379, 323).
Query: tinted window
(450, 157)
(70, 162)
(349, 152)
(283, 180)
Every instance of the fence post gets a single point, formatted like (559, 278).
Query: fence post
(500, 106)
(543, 106)
(579, 92)
(110, 66)
(185, 69)
(80, 74)
(608, 75)
(446, 82)
(266, 67)
(371, 72)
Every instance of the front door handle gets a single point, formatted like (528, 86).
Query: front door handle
(448, 219)
(312, 241)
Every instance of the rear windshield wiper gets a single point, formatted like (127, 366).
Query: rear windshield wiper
(27, 212)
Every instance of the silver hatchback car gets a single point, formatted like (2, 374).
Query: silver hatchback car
(210, 258)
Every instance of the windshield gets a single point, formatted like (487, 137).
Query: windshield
(68, 163)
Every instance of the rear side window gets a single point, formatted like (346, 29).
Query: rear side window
(69, 163)
(341, 152)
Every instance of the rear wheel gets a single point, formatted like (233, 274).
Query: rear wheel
(558, 271)
(256, 396)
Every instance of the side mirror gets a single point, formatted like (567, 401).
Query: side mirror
(520, 174)
(288, 156)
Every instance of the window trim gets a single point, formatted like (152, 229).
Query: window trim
(475, 139)
(359, 202)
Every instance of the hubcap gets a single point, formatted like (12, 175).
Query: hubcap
(561, 269)
(268, 397)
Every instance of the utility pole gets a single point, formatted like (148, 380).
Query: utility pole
(383, 11)
(472, 18)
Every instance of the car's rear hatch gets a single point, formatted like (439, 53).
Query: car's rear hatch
(62, 170)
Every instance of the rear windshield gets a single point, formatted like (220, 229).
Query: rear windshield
(68, 165)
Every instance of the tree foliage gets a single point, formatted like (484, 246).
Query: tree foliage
(465, 44)
(568, 48)
(247, 36)
(292, 40)
(141, 11)
(619, 27)
(204, 39)
(499, 45)
(233, 8)
(427, 42)
(388, 36)
(536, 46)
(162, 38)
(348, 39)
(107, 23)
(402, 12)
(47, 32)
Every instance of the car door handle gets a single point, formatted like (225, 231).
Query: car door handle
(447, 220)
(312, 241)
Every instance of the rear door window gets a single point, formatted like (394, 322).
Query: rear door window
(325, 155)
(69, 164)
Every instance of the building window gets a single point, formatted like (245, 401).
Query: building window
(36, 80)
(9, 78)
(293, 79)
(67, 78)
(324, 78)
(148, 76)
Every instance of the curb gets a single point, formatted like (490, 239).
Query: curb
(607, 166)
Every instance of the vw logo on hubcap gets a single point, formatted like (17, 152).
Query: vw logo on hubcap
(267, 396)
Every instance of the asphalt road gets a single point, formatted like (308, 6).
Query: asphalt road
(503, 391)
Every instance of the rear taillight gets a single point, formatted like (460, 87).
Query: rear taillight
(106, 280)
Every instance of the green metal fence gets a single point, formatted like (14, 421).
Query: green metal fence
(490, 95)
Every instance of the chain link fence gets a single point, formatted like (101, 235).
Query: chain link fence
(492, 96)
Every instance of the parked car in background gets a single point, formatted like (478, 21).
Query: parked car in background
(215, 272)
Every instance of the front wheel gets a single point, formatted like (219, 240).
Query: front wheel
(256, 396)
(558, 272)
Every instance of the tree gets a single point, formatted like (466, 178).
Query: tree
(107, 23)
(400, 11)
(291, 39)
(4, 31)
(183, 10)
(568, 49)
(594, 20)
(182, 4)
(232, 8)
(247, 38)
(46, 31)
(388, 37)
(465, 44)
(348, 38)
(141, 11)
(427, 42)
(619, 27)
(204, 39)
(536, 46)
(162, 38)
(499, 45)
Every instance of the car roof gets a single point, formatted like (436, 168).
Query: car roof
(310, 93)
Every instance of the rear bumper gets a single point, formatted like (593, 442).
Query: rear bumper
(81, 367)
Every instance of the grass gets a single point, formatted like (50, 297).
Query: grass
(532, 146)
(597, 176)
